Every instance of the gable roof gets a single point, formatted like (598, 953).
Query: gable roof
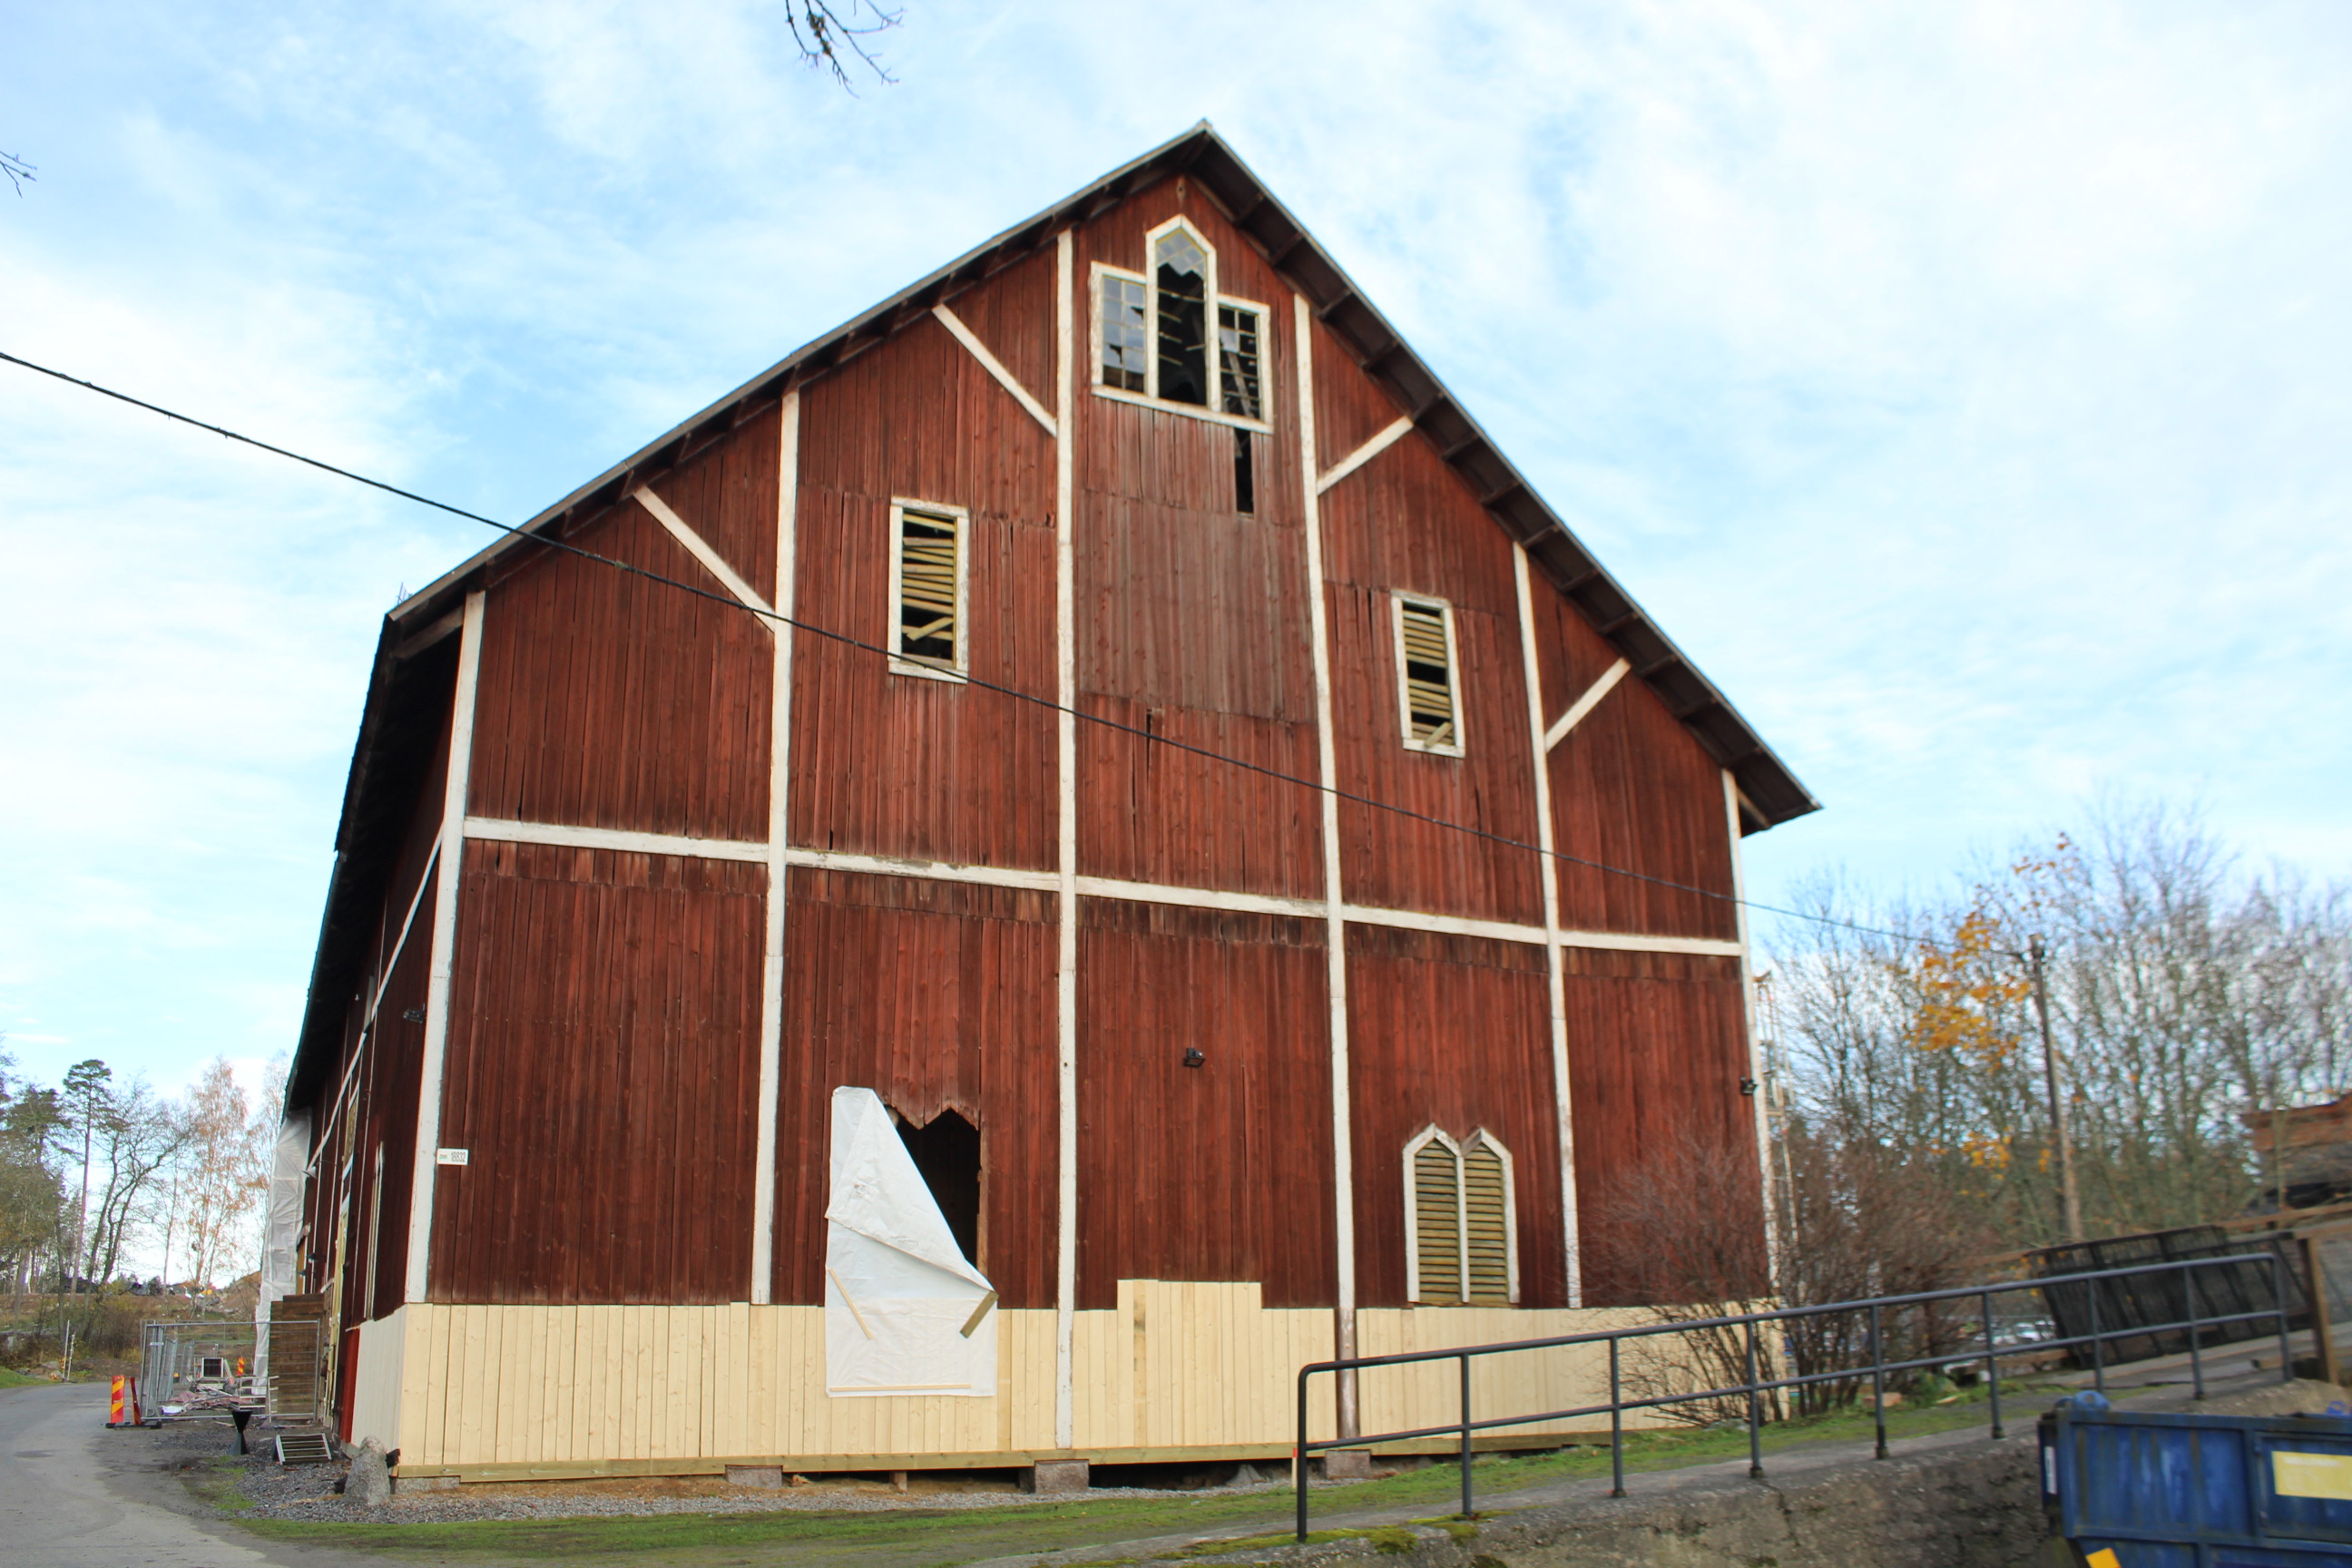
(1773, 795)
(409, 676)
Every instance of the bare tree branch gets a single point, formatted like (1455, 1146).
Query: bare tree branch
(16, 169)
(827, 39)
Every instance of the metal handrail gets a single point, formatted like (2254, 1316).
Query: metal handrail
(1755, 1387)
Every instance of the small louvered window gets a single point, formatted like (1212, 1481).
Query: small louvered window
(1428, 693)
(926, 588)
(1461, 1233)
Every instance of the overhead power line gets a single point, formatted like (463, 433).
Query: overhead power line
(1154, 737)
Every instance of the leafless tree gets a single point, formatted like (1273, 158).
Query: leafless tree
(2188, 993)
(16, 169)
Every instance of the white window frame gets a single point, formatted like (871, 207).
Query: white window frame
(1479, 1137)
(1211, 302)
(962, 517)
(1398, 600)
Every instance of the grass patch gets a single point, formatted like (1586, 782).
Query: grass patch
(917, 1538)
(17, 1379)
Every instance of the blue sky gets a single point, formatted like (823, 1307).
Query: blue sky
(1968, 389)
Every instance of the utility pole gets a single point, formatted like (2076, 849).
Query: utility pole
(2070, 1198)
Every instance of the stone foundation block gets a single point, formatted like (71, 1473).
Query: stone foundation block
(1057, 1476)
(755, 1475)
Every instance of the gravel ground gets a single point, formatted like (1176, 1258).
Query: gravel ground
(308, 1491)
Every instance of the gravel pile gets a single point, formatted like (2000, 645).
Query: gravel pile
(308, 1491)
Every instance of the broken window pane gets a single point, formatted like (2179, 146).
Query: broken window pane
(928, 567)
(1183, 279)
(1123, 361)
(1428, 676)
(1237, 361)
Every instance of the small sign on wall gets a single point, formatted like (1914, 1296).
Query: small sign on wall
(449, 1156)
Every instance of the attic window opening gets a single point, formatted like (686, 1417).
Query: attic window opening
(946, 1152)
(1427, 692)
(1461, 1221)
(927, 589)
(1181, 267)
(1168, 337)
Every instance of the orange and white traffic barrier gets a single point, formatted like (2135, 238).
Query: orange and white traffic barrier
(122, 1403)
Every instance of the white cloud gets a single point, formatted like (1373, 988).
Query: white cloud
(1962, 386)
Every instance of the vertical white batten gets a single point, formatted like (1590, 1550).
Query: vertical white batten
(1065, 964)
(1556, 959)
(779, 761)
(452, 851)
(1335, 922)
(1748, 1020)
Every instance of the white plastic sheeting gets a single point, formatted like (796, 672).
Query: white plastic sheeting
(281, 1232)
(905, 1312)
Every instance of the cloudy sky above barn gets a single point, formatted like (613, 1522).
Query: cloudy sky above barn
(1965, 388)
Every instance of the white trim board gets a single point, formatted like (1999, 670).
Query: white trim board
(1066, 851)
(1364, 454)
(1555, 960)
(1335, 936)
(621, 840)
(700, 548)
(445, 886)
(995, 368)
(779, 758)
(1583, 706)
(1045, 881)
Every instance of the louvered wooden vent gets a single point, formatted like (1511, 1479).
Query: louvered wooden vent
(931, 589)
(1461, 1221)
(1425, 648)
(1437, 1222)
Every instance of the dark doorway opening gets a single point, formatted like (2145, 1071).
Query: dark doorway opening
(947, 1152)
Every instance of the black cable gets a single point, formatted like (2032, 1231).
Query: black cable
(732, 602)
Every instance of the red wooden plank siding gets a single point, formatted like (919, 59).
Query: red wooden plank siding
(609, 701)
(602, 1069)
(896, 764)
(1405, 522)
(1657, 1045)
(1452, 1030)
(1219, 1172)
(933, 994)
(1631, 790)
(390, 1109)
(1188, 613)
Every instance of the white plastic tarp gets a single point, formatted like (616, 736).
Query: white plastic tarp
(281, 1227)
(905, 1312)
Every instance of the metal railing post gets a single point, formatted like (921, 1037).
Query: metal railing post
(2098, 1346)
(1465, 1438)
(1755, 1412)
(1992, 1367)
(1616, 1424)
(1877, 1382)
(1298, 1456)
(2278, 1300)
(2195, 1353)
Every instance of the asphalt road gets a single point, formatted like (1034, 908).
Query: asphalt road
(69, 1500)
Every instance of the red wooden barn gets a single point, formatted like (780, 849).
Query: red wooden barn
(1099, 956)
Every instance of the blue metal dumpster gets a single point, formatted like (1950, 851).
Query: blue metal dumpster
(2134, 1489)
